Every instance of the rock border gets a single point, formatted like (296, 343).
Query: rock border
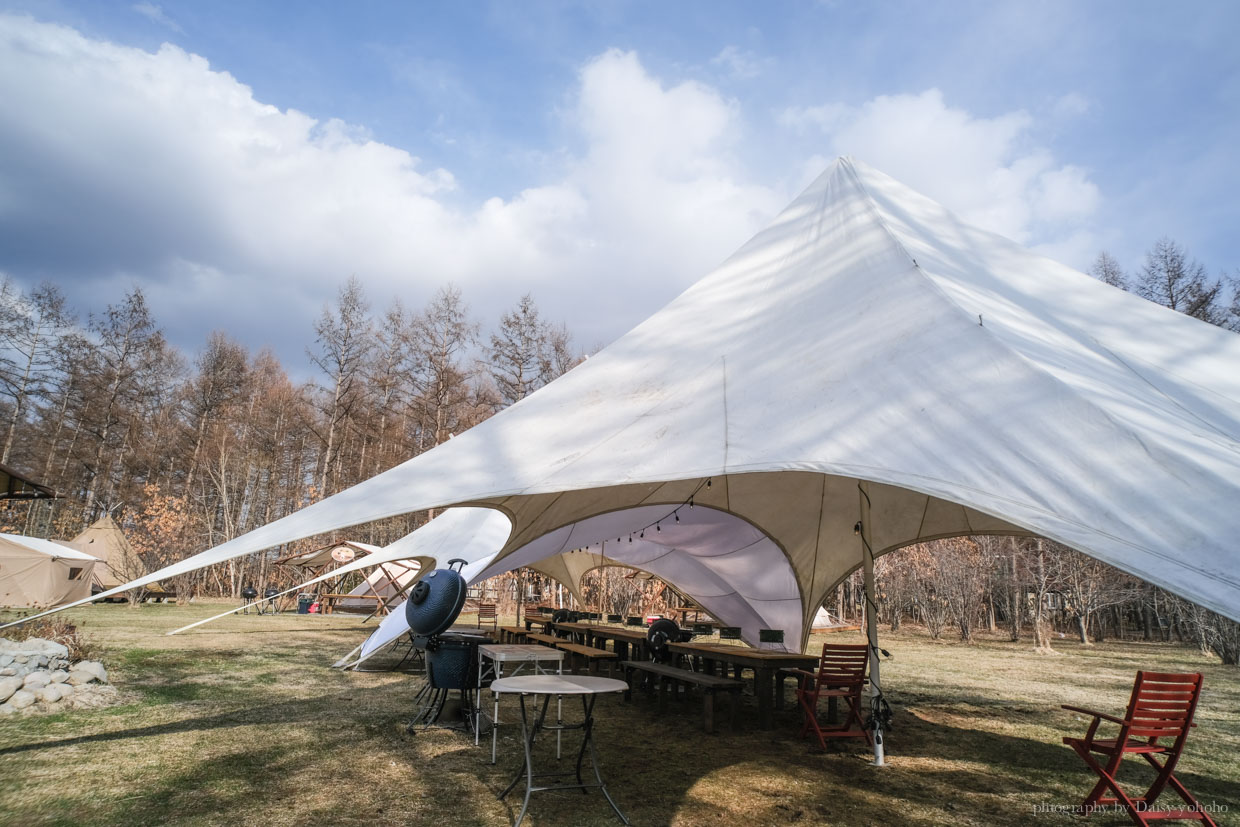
(37, 675)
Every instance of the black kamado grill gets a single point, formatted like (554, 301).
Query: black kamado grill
(662, 632)
(451, 657)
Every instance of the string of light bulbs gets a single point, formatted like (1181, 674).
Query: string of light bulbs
(657, 525)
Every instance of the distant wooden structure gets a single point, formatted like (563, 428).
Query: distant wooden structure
(381, 589)
(17, 486)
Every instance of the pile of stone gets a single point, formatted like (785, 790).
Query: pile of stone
(36, 675)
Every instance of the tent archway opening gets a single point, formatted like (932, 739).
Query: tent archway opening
(727, 565)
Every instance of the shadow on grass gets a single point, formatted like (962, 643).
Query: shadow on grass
(659, 769)
(281, 631)
(292, 712)
(948, 763)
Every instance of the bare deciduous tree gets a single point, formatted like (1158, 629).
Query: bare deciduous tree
(1169, 278)
(1107, 270)
(345, 337)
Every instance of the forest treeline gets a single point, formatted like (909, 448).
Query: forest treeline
(187, 452)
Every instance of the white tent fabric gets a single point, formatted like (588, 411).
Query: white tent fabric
(867, 336)
(387, 582)
(474, 535)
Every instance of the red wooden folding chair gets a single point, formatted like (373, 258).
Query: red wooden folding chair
(840, 676)
(1161, 708)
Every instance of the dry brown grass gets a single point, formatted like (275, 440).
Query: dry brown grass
(243, 722)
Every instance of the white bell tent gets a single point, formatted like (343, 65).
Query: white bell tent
(868, 368)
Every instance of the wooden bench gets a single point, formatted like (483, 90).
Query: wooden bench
(546, 640)
(670, 675)
(512, 634)
(593, 657)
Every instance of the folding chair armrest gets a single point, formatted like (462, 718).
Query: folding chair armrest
(800, 673)
(1101, 715)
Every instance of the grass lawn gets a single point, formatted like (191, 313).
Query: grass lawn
(244, 722)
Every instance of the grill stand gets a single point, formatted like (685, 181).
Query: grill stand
(433, 700)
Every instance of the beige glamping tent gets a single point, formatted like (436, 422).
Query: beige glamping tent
(118, 562)
(40, 574)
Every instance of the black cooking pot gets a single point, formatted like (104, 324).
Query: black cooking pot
(435, 601)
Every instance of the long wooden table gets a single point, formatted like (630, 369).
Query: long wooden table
(621, 637)
(764, 663)
(542, 623)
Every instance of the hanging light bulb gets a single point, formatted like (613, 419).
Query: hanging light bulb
(676, 514)
(658, 527)
(691, 502)
(708, 482)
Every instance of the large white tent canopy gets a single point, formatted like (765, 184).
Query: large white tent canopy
(867, 354)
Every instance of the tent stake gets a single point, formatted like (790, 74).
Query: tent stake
(871, 622)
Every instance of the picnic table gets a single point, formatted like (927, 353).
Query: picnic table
(765, 664)
(512, 634)
(329, 601)
(621, 637)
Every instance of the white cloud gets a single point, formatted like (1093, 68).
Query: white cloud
(985, 169)
(156, 14)
(740, 63)
(120, 166)
(124, 166)
(1071, 105)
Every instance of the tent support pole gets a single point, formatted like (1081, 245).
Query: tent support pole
(871, 621)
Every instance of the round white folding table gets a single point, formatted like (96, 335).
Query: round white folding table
(588, 688)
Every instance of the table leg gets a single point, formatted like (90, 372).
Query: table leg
(587, 709)
(527, 741)
(764, 684)
(598, 775)
(495, 717)
(559, 713)
(478, 701)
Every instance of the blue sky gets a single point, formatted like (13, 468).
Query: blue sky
(239, 160)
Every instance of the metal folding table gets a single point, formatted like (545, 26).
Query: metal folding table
(501, 656)
(588, 688)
